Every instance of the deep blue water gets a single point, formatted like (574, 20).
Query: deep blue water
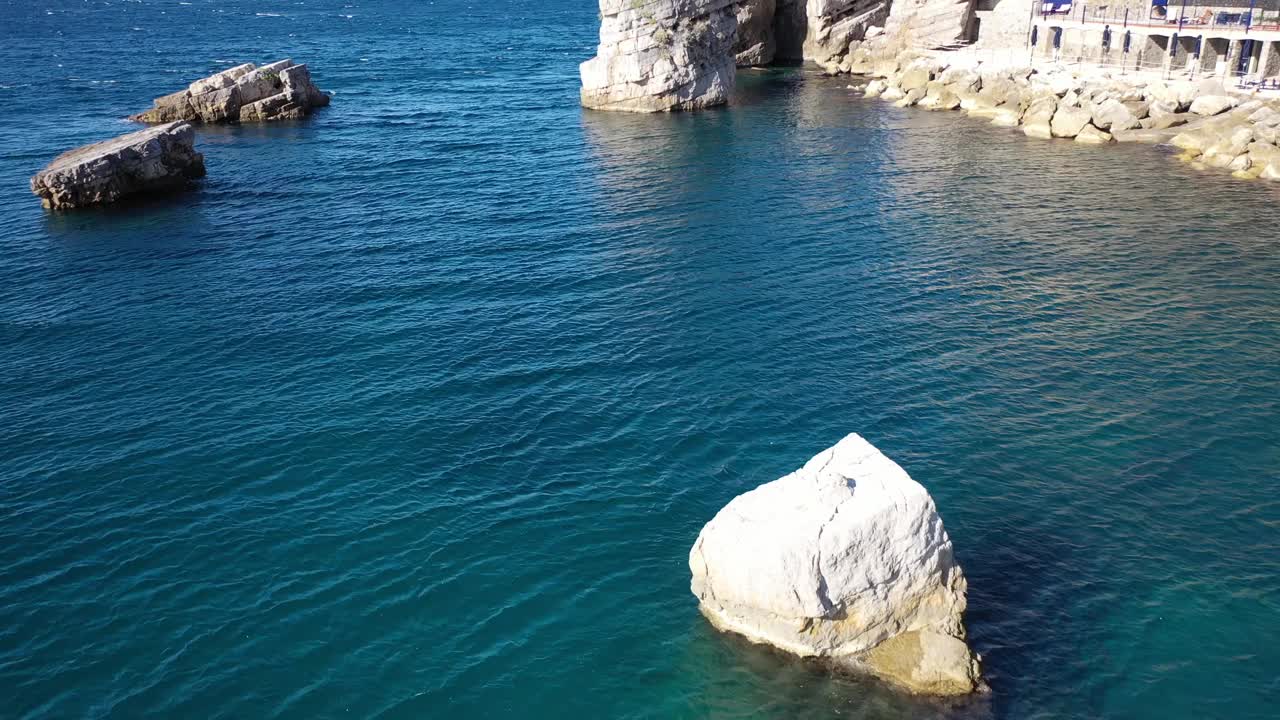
(414, 409)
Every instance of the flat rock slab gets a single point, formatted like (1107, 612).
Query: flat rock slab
(153, 160)
(246, 93)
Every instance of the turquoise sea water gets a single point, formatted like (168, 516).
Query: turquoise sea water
(415, 408)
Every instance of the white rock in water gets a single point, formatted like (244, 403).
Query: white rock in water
(661, 55)
(845, 558)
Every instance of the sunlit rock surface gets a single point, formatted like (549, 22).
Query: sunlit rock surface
(845, 558)
(661, 55)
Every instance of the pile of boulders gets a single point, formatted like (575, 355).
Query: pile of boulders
(1245, 141)
(1214, 127)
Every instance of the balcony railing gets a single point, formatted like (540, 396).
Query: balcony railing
(1177, 18)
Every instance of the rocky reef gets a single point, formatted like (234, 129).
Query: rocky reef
(245, 93)
(659, 55)
(844, 559)
(156, 159)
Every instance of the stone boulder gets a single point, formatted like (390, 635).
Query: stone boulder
(1172, 120)
(912, 97)
(1265, 116)
(245, 93)
(1036, 122)
(917, 75)
(844, 559)
(1209, 105)
(939, 96)
(1069, 121)
(662, 55)
(1091, 135)
(156, 159)
(1114, 115)
(892, 93)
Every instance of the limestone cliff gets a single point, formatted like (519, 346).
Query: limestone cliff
(930, 24)
(757, 44)
(847, 559)
(660, 55)
(834, 26)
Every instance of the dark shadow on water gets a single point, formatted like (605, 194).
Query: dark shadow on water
(174, 219)
(1016, 584)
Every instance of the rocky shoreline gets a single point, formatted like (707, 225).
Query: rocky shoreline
(1213, 127)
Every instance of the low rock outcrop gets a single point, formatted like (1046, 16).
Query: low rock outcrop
(245, 93)
(662, 55)
(845, 558)
(156, 159)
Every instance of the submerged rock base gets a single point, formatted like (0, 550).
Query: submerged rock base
(156, 159)
(844, 559)
(245, 93)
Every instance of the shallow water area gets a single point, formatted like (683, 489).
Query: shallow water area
(415, 408)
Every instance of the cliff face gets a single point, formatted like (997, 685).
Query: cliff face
(835, 25)
(756, 43)
(930, 23)
(659, 55)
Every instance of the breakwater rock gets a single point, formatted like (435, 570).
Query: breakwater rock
(660, 55)
(846, 559)
(156, 159)
(1213, 127)
(245, 93)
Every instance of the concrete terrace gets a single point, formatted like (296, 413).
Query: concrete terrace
(1239, 45)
